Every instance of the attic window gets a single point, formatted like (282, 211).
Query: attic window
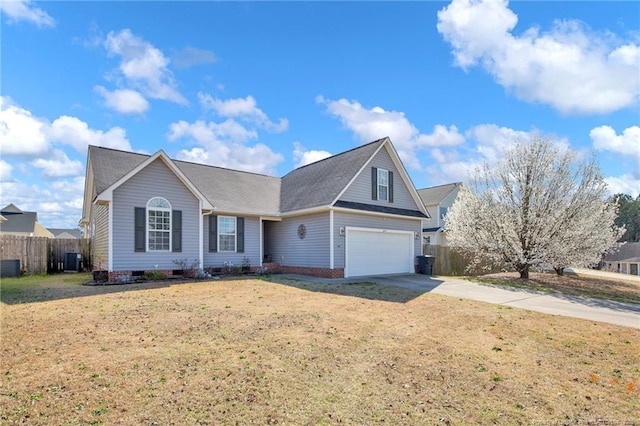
(383, 185)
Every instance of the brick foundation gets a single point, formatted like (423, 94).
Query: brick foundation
(271, 268)
(276, 268)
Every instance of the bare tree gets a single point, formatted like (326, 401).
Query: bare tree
(539, 206)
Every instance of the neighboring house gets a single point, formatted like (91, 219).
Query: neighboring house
(65, 233)
(353, 214)
(437, 200)
(625, 261)
(18, 222)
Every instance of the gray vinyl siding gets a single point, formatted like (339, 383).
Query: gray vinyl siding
(100, 243)
(286, 248)
(360, 189)
(155, 180)
(369, 221)
(251, 245)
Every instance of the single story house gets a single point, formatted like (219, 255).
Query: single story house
(21, 223)
(356, 213)
(626, 260)
(437, 200)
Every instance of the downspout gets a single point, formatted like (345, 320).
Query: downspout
(111, 236)
(331, 248)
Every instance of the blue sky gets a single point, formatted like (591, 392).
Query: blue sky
(269, 86)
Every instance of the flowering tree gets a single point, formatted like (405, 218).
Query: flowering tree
(539, 206)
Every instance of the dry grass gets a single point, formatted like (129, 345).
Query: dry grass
(260, 352)
(620, 290)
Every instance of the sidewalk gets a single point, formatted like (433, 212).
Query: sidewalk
(625, 314)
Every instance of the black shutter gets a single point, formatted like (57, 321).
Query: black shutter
(374, 183)
(391, 187)
(176, 230)
(139, 229)
(240, 234)
(213, 233)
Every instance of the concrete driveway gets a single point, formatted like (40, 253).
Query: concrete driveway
(626, 314)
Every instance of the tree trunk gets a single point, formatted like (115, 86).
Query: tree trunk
(559, 270)
(524, 272)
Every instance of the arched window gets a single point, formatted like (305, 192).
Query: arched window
(158, 224)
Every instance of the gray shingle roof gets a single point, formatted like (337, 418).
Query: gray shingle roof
(314, 185)
(76, 233)
(17, 220)
(109, 165)
(435, 194)
(627, 251)
(320, 183)
(233, 190)
(226, 189)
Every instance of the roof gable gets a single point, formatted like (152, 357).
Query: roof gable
(10, 208)
(107, 194)
(321, 183)
(436, 194)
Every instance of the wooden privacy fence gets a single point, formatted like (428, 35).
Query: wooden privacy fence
(447, 262)
(451, 262)
(39, 255)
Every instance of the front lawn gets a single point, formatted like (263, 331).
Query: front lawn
(267, 352)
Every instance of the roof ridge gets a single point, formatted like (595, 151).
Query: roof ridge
(223, 168)
(338, 154)
(438, 186)
(118, 150)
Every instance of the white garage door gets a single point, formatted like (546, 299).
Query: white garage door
(377, 252)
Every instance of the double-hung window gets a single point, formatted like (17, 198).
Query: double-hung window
(383, 184)
(158, 225)
(227, 232)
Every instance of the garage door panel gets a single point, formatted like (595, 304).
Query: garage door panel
(376, 253)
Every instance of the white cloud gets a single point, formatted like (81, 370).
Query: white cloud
(58, 165)
(76, 133)
(628, 143)
(627, 146)
(625, 184)
(202, 132)
(144, 66)
(5, 171)
(569, 67)
(124, 101)
(245, 109)
(20, 132)
(23, 10)
(192, 56)
(224, 145)
(492, 141)
(369, 124)
(303, 157)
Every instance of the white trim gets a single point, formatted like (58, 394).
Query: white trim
(378, 184)
(200, 234)
(219, 234)
(331, 248)
(110, 250)
(349, 229)
(261, 236)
